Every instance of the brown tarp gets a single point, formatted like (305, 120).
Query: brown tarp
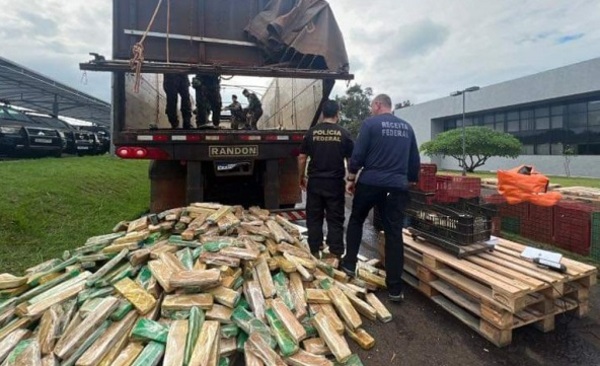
(300, 33)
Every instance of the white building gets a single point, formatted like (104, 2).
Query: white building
(545, 111)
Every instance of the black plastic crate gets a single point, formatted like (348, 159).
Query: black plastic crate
(452, 225)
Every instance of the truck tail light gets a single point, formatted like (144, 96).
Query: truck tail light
(249, 138)
(214, 138)
(277, 137)
(297, 137)
(151, 153)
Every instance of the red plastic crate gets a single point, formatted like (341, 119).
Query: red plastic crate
(442, 195)
(520, 210)
(494, 199)
(427, 177)
(541, 213)
(572, 226)
(538, 230)
(465, 187)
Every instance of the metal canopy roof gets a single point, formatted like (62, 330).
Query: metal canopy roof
(26, 88)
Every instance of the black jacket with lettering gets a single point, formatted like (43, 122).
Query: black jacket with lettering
(387, 151)
(327, 145)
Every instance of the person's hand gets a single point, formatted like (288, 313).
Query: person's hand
(350, 186)
(303, 183)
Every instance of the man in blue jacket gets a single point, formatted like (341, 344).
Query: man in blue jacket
(386, 151)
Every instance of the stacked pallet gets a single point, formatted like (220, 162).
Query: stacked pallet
(190, 286)
(496, 292)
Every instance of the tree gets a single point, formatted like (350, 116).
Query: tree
(404, 104)
(568, 153)
(481, 144)
(355, 107)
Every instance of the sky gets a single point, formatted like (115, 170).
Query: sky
(410, 49)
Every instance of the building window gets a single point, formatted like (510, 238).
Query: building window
(499, 119)
(557, 121)
(542, 149)
(577, 115)
(557, 110)
(557, 149)
(527, 121)
(594, 118)
(449, 124)
(512, 122)
(527, 150)
(542, 123)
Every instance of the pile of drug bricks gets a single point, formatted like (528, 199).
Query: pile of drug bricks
(200, 285)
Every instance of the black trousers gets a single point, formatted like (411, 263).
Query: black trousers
(176, 85)
(391, 203)
(325, 198)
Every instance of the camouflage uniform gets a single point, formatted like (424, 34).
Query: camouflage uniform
(237, 115)
(208, 98)
(254, 110)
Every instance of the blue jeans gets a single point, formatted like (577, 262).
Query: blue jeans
(391, 203)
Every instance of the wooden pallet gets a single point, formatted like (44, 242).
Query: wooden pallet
(494, 293)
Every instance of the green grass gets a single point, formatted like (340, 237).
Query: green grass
(51, 205)
(563, 181)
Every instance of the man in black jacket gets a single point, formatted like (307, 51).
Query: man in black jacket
(387, 155)
(328, 145)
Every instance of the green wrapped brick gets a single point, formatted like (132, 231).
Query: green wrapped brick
(152, 239)
(243, 302)
(229, 331)
(89, 306)
(149, 330)
(239, 282)
(197, 252)
(326, 283)
(86, 344)
(283, 290)
(187, 258)
(249, 324)
(241, 341)
(215, 246)
(175, 314)
(128, 272)
(195, 322)
(307, 323)
(224, 361)
(35, 279)
(48, 285)
(151, 355)
(144, 277)
(106, 280)
(124, 308)
(285, 341)
(179, 242)
(92, 293)
(97, 257)
(25, 352)
(326, 268)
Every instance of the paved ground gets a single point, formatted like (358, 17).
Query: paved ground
(422, 333)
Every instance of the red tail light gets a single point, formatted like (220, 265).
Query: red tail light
(151, 153)
(160, 138)
(297, 137)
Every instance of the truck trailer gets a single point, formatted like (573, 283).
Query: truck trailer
(297, 44)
